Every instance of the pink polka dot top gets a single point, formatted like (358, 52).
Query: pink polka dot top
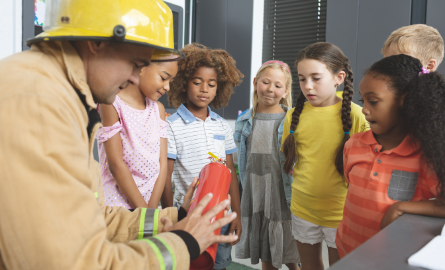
(141, 132)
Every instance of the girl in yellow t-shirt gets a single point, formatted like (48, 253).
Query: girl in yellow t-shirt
(316, 132)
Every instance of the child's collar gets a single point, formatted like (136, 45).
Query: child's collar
(247, 114)
(188, 117)
(405, 148)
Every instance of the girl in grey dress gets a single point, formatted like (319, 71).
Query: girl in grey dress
(265, 215)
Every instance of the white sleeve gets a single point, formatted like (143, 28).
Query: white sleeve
(230, 146)
(171, 143)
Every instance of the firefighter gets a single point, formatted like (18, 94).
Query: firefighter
(51, 203)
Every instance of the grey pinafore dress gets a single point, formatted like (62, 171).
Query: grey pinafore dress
(266, 220)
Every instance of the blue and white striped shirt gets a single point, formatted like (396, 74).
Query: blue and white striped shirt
(190, 139)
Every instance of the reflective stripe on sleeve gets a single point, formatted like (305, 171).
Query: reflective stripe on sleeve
(148, 224)
(163, 253)
(172, 255)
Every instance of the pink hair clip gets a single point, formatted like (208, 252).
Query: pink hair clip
(424, 71)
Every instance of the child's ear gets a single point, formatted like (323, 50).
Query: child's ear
(254, 84)
(340, 77)
(143, 71)
(432, 65)
(402, 99)
(285, 94)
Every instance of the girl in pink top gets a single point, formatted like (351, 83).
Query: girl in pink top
(132, 142)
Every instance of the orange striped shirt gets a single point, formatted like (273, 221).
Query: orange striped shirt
(376, 181)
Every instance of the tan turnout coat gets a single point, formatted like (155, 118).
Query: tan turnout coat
(50, 217)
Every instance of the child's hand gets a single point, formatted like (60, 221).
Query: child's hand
(393, 213)
(189, 195)
(228, 206)
(235, 226)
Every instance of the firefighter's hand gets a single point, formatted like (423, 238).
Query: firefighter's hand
(199, 225)
(189, 195)
(235, 226)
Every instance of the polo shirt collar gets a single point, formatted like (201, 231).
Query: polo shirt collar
(212, 115)
(188, 117)
(405, 148)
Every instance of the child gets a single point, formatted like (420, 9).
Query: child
(318, 130)
(393, 168)
(205, 78)
(418, 40)
(132, 143)
(264, 208)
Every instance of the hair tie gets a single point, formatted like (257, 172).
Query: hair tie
(281, 63)
(292, 131)
(424, 71)
(347, 132)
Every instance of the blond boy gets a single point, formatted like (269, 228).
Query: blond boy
(418, 40)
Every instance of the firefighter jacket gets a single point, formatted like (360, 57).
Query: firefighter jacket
(50, 217)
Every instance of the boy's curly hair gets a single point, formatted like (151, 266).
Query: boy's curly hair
(197, 55)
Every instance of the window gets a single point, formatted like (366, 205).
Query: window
(290, 26)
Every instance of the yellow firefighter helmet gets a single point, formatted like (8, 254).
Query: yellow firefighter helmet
(146, 23)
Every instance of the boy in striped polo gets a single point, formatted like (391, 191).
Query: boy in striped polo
(206, 77)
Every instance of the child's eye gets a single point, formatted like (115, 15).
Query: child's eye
(196, 83)
(163, 79)
(316, 79)
(302, 80)
(212, 85)
(277, 86)
(372, 102)
(265, 82)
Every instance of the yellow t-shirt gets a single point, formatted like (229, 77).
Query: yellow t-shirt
(318, 190)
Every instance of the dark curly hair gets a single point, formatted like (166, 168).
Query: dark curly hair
(197, 55)
(335, 61)
(423, 109)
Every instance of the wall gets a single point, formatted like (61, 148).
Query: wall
(10, 27)
(180, 3)
(360, 27)
(230, 29)
(257, 42)
(436, 19)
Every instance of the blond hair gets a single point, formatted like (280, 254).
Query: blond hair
(280, 65)
(422, 41)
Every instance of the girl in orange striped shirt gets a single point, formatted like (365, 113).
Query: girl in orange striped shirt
(398, 165)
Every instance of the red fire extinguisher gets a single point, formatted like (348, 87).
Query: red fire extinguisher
(214, 178)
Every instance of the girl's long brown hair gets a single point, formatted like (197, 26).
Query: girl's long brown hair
(335, 61)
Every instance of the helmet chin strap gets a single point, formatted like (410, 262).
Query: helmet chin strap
(87, 73)
(87, 67)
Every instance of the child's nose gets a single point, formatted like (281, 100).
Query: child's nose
(365, 111)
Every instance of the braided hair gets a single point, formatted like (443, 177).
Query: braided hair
(335, 61)
(422, 112)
